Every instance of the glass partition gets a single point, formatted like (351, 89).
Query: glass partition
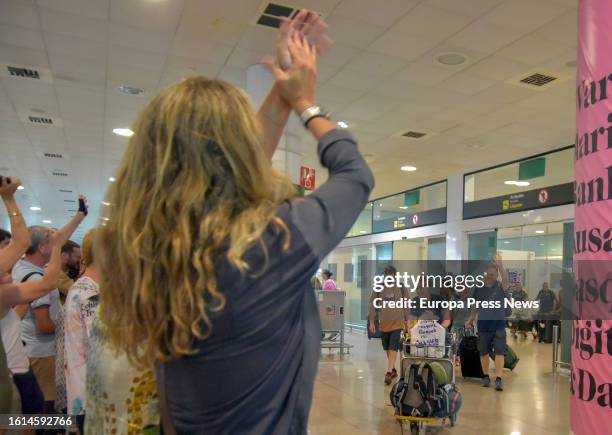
(540, 181)
(363, 224)
(414, 208)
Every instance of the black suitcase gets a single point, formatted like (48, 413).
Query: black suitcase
(470, 358)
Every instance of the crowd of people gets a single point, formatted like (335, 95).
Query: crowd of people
(189, 308)
(488, 324)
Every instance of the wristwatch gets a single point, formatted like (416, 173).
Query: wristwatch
(311, 113)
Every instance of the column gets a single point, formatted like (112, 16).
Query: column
(287, 157)
(591, 407)
(455, 236)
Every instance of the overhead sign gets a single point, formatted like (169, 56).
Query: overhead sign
(409, 220)
(528, 200)
(307, 178)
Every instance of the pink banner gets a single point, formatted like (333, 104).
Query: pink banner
(591, 382)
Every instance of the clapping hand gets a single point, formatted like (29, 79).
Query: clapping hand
(8, 186)
(310, 25)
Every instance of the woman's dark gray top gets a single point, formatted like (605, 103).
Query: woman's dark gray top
(255, 373)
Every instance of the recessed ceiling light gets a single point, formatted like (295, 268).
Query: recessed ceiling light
(451, 59)
(541, 244)
(362, 231)
(403, 207)
(123, 132)
(408, 168)
(46, 221)
(342, 124)
(20, 188)
(111, 179)
(105, 203)
(35, 209)
(522, 183)
(130, 90)
(506, 242)
(105, 219)
(540, 231)
(510, 182)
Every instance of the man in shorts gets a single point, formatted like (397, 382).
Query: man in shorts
(392, 322)
(491, 321)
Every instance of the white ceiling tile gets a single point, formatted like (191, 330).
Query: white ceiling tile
(141, 39)
(466, 83)
(95, 29)
(410, 48)
(352, 32)
(376, 64)
(338, 55)
(378, 12)
(472, 8)
(119, 55)
(161, 16)
(213, 11)
(353, 79)
(23, 56)
(532, 50)
(86, 8)
(503, 93)
(200, 49)
(244, 58)
(484, 37)
(19, 14)
(194, 66)
(21, 37)
(338, 93)
(75, 47)
(562, 29)
(258, 38)
(498, 68)
(425, 75)
(524, 15)
(430, 23)
(74, 70)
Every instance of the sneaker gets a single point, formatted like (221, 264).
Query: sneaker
(486, 381)
(388, 378)
(394, 373)
(498, 384)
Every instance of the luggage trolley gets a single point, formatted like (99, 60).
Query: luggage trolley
(331, 313)
(446, 356)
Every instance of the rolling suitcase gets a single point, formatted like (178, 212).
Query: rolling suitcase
(511, 359)
(470, 358)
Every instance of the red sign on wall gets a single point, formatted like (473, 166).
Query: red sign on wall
(307, 178)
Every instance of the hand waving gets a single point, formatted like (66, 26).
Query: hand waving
(312, 27)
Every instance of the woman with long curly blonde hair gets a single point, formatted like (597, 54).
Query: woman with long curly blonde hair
(206, 253)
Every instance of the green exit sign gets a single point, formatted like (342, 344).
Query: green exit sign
(532, 168)
(412, 198)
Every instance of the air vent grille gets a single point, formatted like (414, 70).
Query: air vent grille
(414, 134)
(59, 174)
(272, 14)
(53, 155)
(538, 79)
(27, 73)
(69, 200)
(65, 191)
(40, 120)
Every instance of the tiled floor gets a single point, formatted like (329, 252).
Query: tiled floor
(351, 398)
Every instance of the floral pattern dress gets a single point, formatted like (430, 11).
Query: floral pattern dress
(121, 399)
(79, 312)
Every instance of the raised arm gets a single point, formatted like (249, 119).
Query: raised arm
(20, 238)
(274, 111)
(66, 231)
(325, 216)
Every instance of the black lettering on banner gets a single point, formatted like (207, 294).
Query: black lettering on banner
(592, 240)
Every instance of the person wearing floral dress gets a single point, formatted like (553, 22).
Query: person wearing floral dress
(79, 311)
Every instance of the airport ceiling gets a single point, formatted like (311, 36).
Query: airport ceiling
(450, 69)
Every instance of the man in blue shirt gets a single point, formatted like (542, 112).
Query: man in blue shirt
(491, 320)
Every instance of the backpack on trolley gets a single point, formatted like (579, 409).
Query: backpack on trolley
(414, 394)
